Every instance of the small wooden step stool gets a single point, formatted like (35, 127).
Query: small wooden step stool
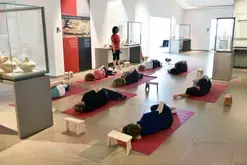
(126, 64)
(152, 83)
(199, 73)
(115, 135)
(228, 100)
(68, 75)
(80, 125)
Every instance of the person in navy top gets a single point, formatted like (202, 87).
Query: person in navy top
(160, 118)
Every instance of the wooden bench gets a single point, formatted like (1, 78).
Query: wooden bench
(80, 125)
(199, 73)
(115, 135)
(152, 83)
(228, 100)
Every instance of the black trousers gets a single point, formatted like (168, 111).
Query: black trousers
(165, 117)
(113, 95)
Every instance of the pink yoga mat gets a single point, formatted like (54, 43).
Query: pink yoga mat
(216, 91)
(150, 70)
(73, 90)
(98, 81)
(144, 80)
(106, 107)
(147, 145)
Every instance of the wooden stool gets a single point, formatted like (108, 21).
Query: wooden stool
(71, 74)
(199, 73)
(121, 137)
(152, 83)
(126, 64)
(228, 100)
(80, 125)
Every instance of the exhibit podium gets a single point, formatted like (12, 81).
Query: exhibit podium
(33, 105)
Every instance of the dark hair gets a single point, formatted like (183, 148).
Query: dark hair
(133, 130)
(141, 68)
(89, 77)
(79, 107)
(115, 30)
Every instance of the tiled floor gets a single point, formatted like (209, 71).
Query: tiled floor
(215, 135)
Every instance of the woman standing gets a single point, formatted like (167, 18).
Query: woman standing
(115, 38)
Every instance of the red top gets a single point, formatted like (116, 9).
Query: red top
(116, 41)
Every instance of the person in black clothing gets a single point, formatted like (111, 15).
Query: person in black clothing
(201, 87)
(93, 100)
(179, 67)
(128, 78)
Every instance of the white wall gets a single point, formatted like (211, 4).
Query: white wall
(53, 20)
(200, 21)
(107, 13)
(177, 13)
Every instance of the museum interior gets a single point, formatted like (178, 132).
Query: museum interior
(87, 82)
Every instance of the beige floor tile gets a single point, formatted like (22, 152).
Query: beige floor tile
(215, 135)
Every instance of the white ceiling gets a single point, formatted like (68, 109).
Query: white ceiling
(191, 4)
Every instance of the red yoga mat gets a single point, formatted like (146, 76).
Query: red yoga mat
(100, 80)
(214, 94)
(106, 107)
(73, 90)
(150, 70)
(147, 145)
(144, 80)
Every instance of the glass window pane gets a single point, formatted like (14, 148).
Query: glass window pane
(224, 34)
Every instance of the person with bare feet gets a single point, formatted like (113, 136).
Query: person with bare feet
(95, 99)
(200, 87)
(160, 118)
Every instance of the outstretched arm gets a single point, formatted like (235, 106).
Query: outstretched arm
(180, 95)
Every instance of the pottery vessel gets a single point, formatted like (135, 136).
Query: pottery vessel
(9, 66)
(27, 65)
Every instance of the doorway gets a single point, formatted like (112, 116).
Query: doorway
(212, 34)
(159, 35)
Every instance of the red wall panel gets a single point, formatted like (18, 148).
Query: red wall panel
(71, 54)
(69, 7)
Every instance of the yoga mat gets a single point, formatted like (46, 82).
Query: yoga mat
(73, 90)
(100, 80)
(147, 145)
(144, 80)
(150, 70)
(106, 107)
(185, 73)
(216, 91)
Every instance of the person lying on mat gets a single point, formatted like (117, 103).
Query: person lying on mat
(149, 64)
(160, 118)
(200, 87)
(128, 78)
(99, 73)
(179, 67)
(59, 89)
(93, 100)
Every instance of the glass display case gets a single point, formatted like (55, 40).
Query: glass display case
(130, 33)
(181, 31)
(224, 34)
(23, 45)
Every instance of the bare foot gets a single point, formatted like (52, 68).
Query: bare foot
(173, 108)
(175, 96)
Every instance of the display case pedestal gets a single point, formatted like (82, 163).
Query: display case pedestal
(33, 105)
(223, 64)
(103, 56)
